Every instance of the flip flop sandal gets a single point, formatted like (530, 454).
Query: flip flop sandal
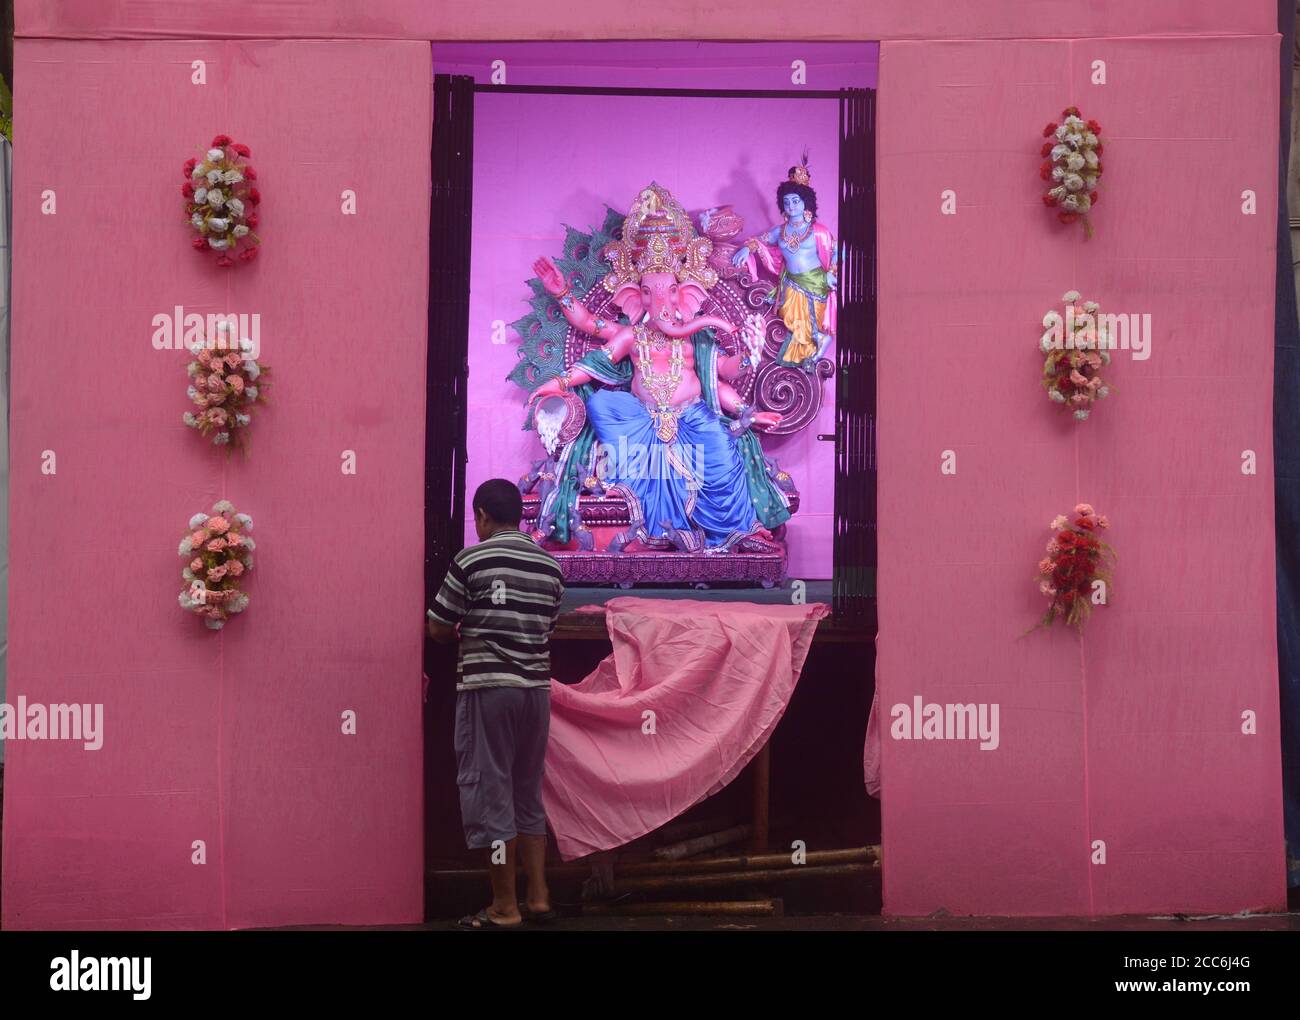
(543, 917)
(482, 922)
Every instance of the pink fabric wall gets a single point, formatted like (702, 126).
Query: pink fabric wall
(1131, 736)
(232, 738)
(713, 152)
(592, 19)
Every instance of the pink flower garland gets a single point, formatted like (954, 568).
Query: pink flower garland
(225, 382)
(1075, 346)
(219, 554)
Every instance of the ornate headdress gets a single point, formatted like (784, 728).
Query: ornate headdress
(658, 237)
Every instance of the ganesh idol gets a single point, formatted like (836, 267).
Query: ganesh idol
(656, 390)
(802, 253)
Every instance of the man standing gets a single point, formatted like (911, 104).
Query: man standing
(501, 599)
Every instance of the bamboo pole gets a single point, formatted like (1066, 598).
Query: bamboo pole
(653, 883)
(855, 855)
(732, 908)
(699, 844)
(674, 831)
(868, 855)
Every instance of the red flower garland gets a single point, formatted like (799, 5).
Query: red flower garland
(1076, 560)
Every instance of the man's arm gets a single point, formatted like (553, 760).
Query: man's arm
(449, 607)
(555, 610)
(440, 631)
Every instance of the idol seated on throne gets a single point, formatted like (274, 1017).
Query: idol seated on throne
(653, 373)
(677, 441)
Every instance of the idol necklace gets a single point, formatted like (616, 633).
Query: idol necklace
(792, 242)
(661, 387)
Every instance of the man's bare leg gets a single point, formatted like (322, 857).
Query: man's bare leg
(532, 854)
(504, 908)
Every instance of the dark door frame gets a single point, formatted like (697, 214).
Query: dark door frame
(854, 550)
(450, 249)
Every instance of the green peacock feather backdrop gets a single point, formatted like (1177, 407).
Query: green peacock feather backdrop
(542, 330)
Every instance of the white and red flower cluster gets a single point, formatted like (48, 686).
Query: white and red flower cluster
(1073, 167)
(221, 202)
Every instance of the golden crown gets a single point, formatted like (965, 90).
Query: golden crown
(658, 257)
(658, 237)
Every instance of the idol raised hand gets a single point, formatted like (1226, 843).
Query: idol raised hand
(552, 279)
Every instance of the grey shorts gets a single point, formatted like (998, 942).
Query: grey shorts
(500, 754)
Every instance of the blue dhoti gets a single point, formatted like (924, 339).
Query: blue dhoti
(693, 483)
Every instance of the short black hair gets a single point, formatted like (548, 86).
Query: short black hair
(500, 500)
(794, 188)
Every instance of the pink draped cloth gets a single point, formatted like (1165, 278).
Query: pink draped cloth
(871, 753)
(716, 677)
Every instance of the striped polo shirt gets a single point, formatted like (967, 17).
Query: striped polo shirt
(505, 593)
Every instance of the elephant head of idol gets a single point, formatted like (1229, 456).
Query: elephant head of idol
(660, 272)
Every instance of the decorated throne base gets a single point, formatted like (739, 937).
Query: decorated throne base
(606, 516)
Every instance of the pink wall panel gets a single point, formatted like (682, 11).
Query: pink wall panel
(1187, 803)
(724, 19)
(230, 738)
(1132, 736)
